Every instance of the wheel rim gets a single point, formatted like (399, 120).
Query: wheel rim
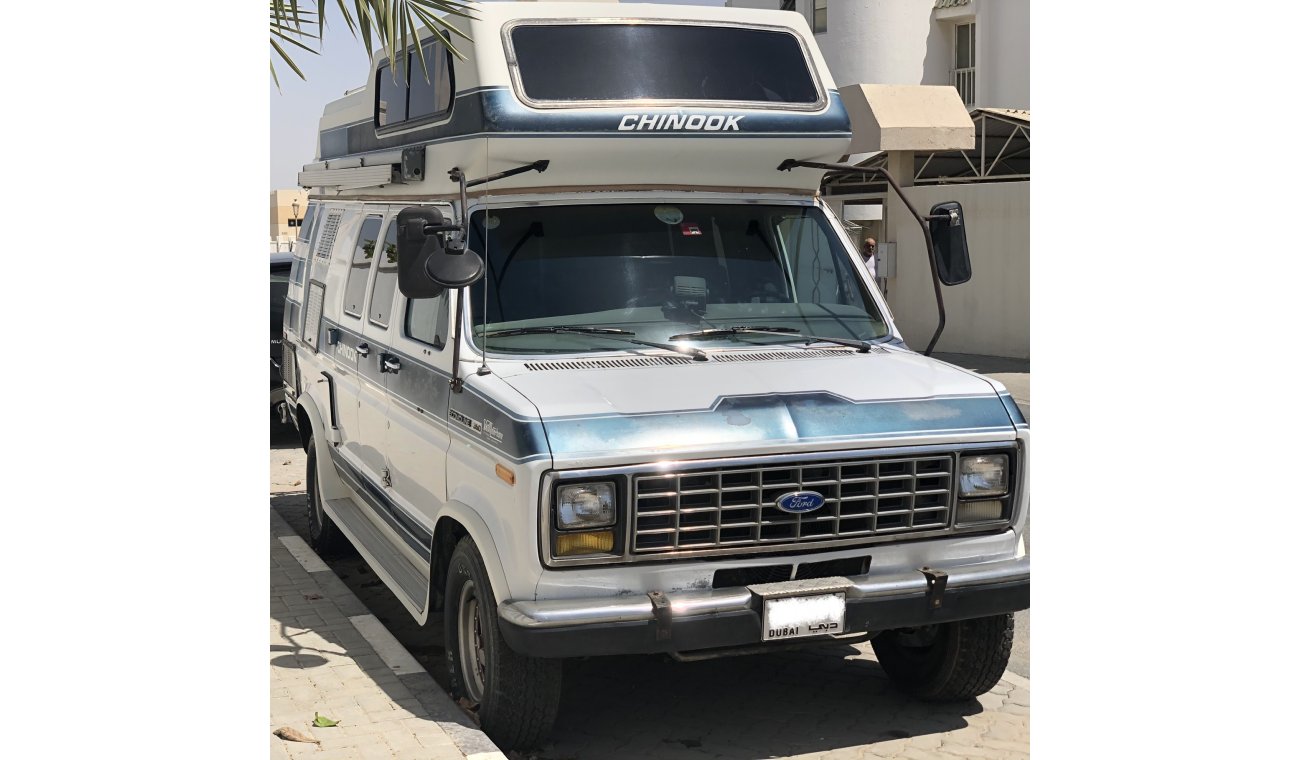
(473, 663)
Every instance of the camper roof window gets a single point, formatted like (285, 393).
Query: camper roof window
(423, 97)
(670, 62)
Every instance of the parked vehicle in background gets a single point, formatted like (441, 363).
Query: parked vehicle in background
(667, 409)
(281, 265)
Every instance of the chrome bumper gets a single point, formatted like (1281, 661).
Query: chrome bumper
(727, 617)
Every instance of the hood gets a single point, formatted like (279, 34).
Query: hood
(593, 413)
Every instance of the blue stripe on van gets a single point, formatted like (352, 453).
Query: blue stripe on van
(412, 532)
(427, 388)
(496, 112)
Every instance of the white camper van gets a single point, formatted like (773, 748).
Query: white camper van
(583, 365)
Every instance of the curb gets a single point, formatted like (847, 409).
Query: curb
(468, 738)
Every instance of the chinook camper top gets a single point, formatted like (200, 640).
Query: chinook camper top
(615, 96)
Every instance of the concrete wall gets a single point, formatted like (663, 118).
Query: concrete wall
(990, 313)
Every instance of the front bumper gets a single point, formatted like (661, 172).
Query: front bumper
(688, 621)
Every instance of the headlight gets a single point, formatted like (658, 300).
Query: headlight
(586, 505)
(983, 475)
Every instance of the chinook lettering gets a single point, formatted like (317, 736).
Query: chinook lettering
(671, 122)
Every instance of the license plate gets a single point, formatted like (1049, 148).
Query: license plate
(795, 617)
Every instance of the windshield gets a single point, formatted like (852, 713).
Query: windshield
(660, 270)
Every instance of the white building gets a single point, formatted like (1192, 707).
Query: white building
(981, 47)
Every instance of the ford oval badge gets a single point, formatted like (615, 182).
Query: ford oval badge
(797, 502)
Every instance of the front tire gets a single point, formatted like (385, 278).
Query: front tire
(516, 697)
(949, 662)
(323, 535)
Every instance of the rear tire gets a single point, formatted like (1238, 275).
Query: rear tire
(949, 662)
(516, 697)
(323, 535)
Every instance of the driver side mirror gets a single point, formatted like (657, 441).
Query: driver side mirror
(425, 264)
(948, 233)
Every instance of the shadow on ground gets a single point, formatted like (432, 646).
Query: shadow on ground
(637, 706)
(300, 604)
(284, 436)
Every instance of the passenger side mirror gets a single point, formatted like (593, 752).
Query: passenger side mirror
(425, 264)
(948, 233)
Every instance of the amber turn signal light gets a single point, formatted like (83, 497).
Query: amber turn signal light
(589, 542)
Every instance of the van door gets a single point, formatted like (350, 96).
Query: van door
(418, 397)
(409, 422)
(357, 382)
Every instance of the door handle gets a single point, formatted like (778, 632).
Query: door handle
(363, 349)
(390, 363)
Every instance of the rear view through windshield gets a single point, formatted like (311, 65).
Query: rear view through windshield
(582, 62)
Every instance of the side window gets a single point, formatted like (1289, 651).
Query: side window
(303, 247)
(426, 320)
(391, 106)
(364, 253)
(433, 95)
(381, 298)
(409, 95)
(304, 226)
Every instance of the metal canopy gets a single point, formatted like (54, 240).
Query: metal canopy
(1001, 154)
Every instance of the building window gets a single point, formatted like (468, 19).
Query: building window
(819, 16)
(293, 222)
(963, 63)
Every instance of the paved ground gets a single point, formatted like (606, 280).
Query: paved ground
(329, 656)
(831, 703)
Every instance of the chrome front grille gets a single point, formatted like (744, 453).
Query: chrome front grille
(731, 507)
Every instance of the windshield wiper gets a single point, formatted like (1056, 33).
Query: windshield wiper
(727, 332)
(601, 332)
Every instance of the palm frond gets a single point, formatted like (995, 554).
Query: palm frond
(389, 25)
(276, 47)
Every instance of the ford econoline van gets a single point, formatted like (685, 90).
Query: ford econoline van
(584, 365)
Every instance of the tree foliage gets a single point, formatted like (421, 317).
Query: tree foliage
(387, 24)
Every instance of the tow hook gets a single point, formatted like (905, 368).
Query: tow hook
(936, 582)
(663, 613)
